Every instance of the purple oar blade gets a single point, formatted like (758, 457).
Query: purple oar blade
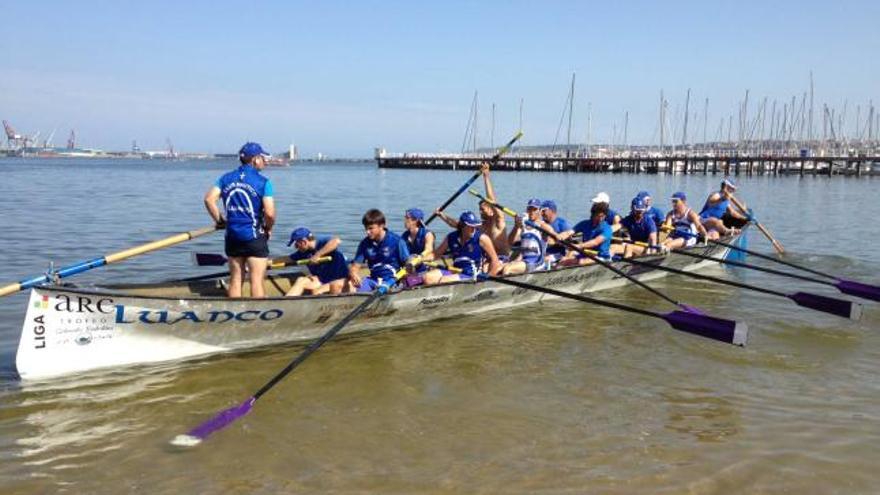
(221, 420)
(858, 289)
(692, 309)
(729, 331)
(831, 305)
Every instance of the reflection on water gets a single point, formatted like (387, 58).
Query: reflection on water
(557, 397)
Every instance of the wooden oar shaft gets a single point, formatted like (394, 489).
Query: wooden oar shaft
(741, 207)
(104, 260)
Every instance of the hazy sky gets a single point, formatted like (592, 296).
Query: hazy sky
(341, 78)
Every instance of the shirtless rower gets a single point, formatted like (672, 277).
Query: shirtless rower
(719, 216)
(684, 222)
(533, 247)
(493, 223)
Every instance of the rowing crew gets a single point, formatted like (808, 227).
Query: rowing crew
(541, 237)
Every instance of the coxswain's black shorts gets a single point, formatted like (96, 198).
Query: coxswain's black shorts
(257, 248)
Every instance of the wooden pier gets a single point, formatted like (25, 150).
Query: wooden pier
(727, 165)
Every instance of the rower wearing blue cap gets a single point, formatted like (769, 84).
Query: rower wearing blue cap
(684, 222)
(718, 214)
(383, 251)
(654, 213)
(532, 246)
(469, 247)
(419, 240)
(559, 225)
(640, 228)
(324, 277)
(250, 215)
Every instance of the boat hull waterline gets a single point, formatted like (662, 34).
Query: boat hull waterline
(69, 330)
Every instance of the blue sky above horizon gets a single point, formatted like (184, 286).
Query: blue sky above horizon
(341, 79)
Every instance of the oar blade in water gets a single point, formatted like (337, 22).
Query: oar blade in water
(858, 289)
(221, 420)
(209, 259)
(831, 305)
(729, 331)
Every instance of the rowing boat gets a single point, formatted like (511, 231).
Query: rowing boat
(70, 329)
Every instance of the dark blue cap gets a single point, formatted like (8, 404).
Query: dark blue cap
(249, 150)
(643, 194)
(298, 234)
(534, 203)
(415, 214)
(729, 183)
(680, 195)
(638, 204)
(468, 218)
(549, 204)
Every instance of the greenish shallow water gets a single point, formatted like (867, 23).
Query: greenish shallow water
(552, 398)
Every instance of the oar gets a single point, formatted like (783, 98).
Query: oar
(592, 255)
(831, 305)
(776, 245)
(228, 416)
(474, 177)
(851, 287)
(214, 259)
(720, 329)
(861, 290)
(104, 260)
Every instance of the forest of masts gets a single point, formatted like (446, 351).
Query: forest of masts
(759, 127)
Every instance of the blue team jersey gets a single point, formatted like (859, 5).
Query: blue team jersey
(417, 244)
(656, 214)
(326, 272)
(609, 218)
(560, 225)
(588, 231)
(532, 248)
(639, 230)
(717, 211)
(384, 257)
(468, 256)
(242, 191)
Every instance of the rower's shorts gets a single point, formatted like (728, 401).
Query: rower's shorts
(257, 248)
(689, 240)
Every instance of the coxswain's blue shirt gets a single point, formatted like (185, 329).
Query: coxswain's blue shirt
(588, 232)
(335, 269)
(242, 191)
(639, 230)
(384, 257)
(559, 225)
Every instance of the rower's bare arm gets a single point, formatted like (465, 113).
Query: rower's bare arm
(328, 248)
(490, 191)
(429, 244)
(735, 212)
(436, 253)
(447, 219)
(489, 249)
(211, 198)
(268, 215)
(514, 234)
(695, 219)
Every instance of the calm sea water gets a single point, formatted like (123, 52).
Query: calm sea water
(554, 398)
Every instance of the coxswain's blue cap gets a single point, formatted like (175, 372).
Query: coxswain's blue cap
(680, 196)
(534, 203)
(468, 218)
(638, 204)
(643, 194)
(299, 234)
(729, 183)
(548, 204)
(249, 150)
(415, 214)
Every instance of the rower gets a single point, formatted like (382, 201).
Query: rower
(324, 277)
(595, 235)
(640, 227)
(383, 251)
(611, 217)
(718, 215)
(555, 250)
(469, 247)
(684, 222)
(653, 212)
(533, 247)
(419, 240)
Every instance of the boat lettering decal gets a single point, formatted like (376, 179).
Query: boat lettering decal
(568, 279)
(164, 317)
(39, 332)
(83, 304)
(483, 295)
(432, 301)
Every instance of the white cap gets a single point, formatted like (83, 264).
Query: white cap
(602, 197)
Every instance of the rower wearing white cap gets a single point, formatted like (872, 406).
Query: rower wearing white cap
(684, 222)
(532, 247)
(469, 248)
(718, 215)
(611, 218)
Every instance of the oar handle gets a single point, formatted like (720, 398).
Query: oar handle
(776, 244)
(275, 264)
(162, 243)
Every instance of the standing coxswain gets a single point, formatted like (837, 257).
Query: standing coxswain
(250, 216)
